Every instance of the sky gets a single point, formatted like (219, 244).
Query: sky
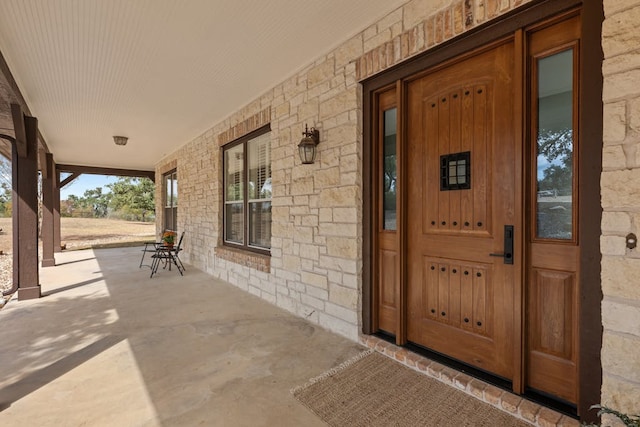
(77, 187)
(86, 182)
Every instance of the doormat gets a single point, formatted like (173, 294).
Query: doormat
(373, 390)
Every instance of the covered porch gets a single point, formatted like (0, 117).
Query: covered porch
(106, 345)
(258, 76)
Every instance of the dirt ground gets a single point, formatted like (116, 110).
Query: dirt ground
(78, 233)
(81, 233)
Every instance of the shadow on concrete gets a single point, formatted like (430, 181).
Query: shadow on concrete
(74, 261)
(69, 287)
(36, 379)
(109, 346)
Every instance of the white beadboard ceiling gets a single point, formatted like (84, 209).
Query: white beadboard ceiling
(160, 72)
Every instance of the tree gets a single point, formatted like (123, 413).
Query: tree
(97, 201)
(5, 187)
(133, 195)
(556, 178)
(5, 200)
(556, 146)
(78, 207)
(126, 198)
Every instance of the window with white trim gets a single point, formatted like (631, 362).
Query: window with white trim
(247, 192)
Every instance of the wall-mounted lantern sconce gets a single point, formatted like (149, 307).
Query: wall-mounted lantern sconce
(120, 140)
(307, 146)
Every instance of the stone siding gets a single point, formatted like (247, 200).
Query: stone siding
(621, 205)
(315, 269)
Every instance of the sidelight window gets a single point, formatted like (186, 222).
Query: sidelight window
(555, 147)
(389, 175)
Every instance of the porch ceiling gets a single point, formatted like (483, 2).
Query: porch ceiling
(160, 72)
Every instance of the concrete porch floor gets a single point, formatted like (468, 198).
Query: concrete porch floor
(109, 346)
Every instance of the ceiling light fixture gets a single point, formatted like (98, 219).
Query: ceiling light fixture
(120, 140)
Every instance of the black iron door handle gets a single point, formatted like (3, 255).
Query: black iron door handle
(507, 255)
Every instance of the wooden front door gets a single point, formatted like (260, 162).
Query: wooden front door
(463, 279)
(477, 238)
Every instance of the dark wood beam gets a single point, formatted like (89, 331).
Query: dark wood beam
(13, 93)
(48, 207)
(5, 148)
(25, 214)
(105, 171)
(19, 129)
(69, 179)
(43, 164)
(590, 211)
(56, 212)
(13, 86)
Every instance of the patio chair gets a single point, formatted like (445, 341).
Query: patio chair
(167, 255)
(177, 250)
(150, 247)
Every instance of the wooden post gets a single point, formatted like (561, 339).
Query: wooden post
(57, 240)
(48, 196)
(25, 213)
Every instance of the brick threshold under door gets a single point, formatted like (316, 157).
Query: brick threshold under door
(519, 407)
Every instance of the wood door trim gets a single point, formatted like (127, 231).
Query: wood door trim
(519, 77)
(401, 335)
(590, 210)
(479, 36)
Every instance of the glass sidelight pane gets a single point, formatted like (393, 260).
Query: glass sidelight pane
(389, 170)
(554, 162)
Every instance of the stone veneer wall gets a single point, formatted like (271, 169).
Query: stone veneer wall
(621, 205)
(315, 268)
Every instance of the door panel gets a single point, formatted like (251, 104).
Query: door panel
(386, 217)
(456, 294)
(457, 210)
(460, 299)
(553, 276)
(552, 332)
(555, 334)
(388, 260)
